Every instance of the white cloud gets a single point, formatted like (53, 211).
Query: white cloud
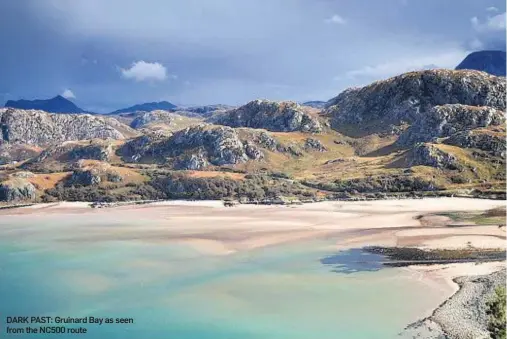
(68, 94)
(476, 44)
(145, 71)
(384, 70)
(494, 23)
(336, 19)
(492, 9)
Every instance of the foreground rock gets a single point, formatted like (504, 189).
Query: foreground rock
(273, 116)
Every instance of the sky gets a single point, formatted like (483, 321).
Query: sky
(106, 55)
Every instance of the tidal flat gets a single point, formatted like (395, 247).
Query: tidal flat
(200, 270)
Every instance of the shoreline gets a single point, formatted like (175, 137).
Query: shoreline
(463, 314)
(212, 229)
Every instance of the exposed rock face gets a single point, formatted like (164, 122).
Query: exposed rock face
(430, 155)
(17, 189)
(10, 153)
(194, 148)
(41, 128)
(493, 143)
(85, 178)
(492, 62)
(408, 97)
(92, 174)
(273, 116)
(443, 121)
(56, 158)
(196, 161)
(315, 145)
(149, 117)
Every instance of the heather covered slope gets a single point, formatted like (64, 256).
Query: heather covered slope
(438, 132)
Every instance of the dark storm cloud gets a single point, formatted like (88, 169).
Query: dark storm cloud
(228, 51)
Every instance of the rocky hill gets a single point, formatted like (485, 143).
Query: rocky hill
(163, 120)
(404, 99)
(492, 62)
(435, 132)
(57, 104)
(42, 128)
(274, 116)
(147, 107)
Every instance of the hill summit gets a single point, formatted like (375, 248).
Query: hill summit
(57, 104)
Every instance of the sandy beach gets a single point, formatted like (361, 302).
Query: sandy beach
(212, 229)
(215, 229)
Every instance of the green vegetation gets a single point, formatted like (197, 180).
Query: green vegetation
(495, 216)
(496, 311)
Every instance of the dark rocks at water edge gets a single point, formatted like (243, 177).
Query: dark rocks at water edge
(406, 256)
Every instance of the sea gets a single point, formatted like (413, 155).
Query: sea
(152, 290)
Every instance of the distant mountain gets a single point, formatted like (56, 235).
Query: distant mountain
(147, 107)
(315, 104)
(492, 62)
(57, 104)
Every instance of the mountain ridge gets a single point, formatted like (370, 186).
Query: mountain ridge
(57, 104)
(147, 107)
(489, 61)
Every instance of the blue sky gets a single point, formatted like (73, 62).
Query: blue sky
(111, 54)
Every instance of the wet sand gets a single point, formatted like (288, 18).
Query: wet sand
(212, 229)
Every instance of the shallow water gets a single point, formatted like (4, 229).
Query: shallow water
(172, 291)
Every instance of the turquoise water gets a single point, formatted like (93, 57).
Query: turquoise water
(173, 291)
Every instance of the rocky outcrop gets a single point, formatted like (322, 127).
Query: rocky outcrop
(10, 153)
(92, 174)
(85, 177)
(312, 144)
(273, 116)
(444, 121)
(493, 143)
(41, 128)
(430, 155)
(17, 189)
(197, 161)
(408, 97)
(192, 148)
(146, 118)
